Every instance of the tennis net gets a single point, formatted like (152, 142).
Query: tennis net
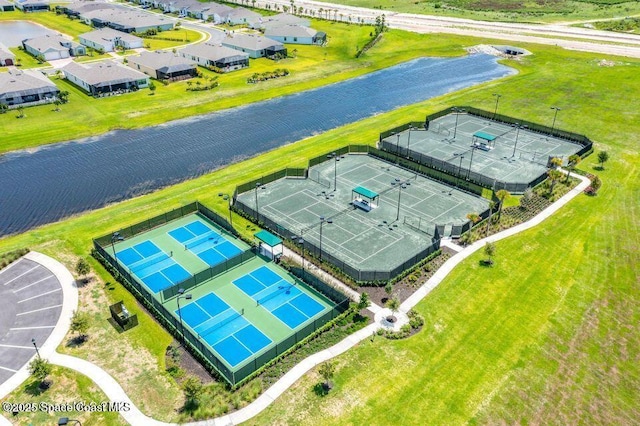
(148, 261)
(273, 292)
(213, 235)
(218, 321)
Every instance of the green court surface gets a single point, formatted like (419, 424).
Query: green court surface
(506, 161)
(380, 239)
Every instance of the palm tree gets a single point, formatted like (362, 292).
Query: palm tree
(492, 205)
(502, 195)
(571, 164)
(474, 217)
(554, 177)
(555, 162)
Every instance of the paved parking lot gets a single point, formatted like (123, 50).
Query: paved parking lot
(30, 305)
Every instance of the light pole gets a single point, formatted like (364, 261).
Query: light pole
(495, 111)
(63, 421)
(518, 127)
(322, 221)
(336, 158)
(258, 185)
(227, 197)
(398, 145)
(460, 169)
(409, 140)
(401, 186)
(555, 115)
(115, 237)
(473, 148)
(35, 346)
(457, 112)
(187, 296)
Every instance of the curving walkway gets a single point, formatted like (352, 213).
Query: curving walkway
(135, 417)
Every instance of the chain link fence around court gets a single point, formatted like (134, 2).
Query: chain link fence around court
(464, 178)
(359, 275)
(200, 350)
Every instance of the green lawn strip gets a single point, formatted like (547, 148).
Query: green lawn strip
(67, 387)
(503, 10)
(309, 69)
(549, 77)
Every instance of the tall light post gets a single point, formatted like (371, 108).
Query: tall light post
(401, 186)
(336, 158)
(409, 140)
(555, 115)
(518, 127)
(457, 112)
(322, 221)
(258, 185)
(187, 296)
(35, 346)
(473, 148)
(227, 197)
(115, 237)
(460, 169)
(397, 146)
(495, 111)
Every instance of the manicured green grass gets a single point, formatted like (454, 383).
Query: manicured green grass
(506, 10)
(549, 333)
(312, 67)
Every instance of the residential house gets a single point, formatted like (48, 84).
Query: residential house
(6, 6)
(127, 21)
(106, 40)
(214, 12)
(242, 16)
(28, 6)
(163, 65)
(281, 19)
(105, 77)
(26, 87)
(215, 55)
(50, 47)
(256, 46)
(295, 34)
(77, 8)
(7, 58)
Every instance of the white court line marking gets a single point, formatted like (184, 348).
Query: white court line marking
(8, 369)
(16, 347)
(37, 282)
(38, 310)
(40, 295)
(24, 273)
(32, 328)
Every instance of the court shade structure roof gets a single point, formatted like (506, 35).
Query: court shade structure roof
(361, 190)
(268, 238)
(485, 136)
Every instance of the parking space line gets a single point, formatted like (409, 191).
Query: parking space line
(39, 295)
(8, 369)
(24, 273)
(16, 347)
(38, 310)
(37, 282)
(32, 328)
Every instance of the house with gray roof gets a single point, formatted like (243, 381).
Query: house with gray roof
(79, 7)
(107, 39)
(105, 77)
(127, 21)
(6, 6)
(281, 19)
(25, 88)
(163, 65)
(53, 46)
(242, 16)
(28, 6)
(256, 46)
(7, 58)
(295, 34)
(214, 55)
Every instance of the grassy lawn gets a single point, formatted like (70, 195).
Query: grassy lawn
(548, 335)
(313, 66)
(507, 10)
(182, 36)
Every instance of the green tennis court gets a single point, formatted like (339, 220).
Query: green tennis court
(380, 238)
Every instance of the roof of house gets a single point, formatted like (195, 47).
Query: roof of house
(50, 42)
(163, 61)
(290, 31)
(5, 3)
(213, 52)
(250, 41)
(24, 82)
(5, 52)
(242, 13)
(108, 34)
(31, 2)
(103, 73)
(83, 7)
(283, 19)
(127, 19)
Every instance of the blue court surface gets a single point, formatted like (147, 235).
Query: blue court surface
(155, 268)
(205, 242)
(224, 329)
(283, 299)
